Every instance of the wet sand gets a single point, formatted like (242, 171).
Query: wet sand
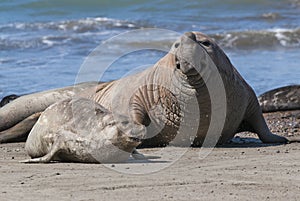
(245, 169)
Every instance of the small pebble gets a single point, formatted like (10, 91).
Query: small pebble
(112, 165)
(297, 126)
(277, 151)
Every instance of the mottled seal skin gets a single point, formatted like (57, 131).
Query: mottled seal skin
(80, 130)
(18, 116)
(281, 99)
(159, 97)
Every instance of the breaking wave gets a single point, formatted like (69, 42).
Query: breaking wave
(267, 39)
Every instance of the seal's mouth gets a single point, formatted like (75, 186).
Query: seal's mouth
(192, 76)
(186, 68)
(177, 62)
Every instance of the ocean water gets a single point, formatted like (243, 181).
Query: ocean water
(44, 43)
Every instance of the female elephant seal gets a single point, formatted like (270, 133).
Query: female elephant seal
(80, 130)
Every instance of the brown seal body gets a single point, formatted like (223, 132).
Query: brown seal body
(163, 97)
(80, 130)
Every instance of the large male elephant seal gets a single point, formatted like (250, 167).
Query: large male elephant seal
(161, 97)
(80, 130)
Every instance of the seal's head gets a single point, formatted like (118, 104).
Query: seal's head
(117, 138)
(126, 135)
(195, 53)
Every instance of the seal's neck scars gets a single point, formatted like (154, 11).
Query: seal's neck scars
(166, 98)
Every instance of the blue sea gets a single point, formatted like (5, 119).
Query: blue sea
(44, 43)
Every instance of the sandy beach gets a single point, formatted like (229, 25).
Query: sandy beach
(243, 170)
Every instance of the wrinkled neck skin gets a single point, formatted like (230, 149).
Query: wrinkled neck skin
(166, 99)
(158, 97)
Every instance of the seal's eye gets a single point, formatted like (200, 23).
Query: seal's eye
(206, 43)
(176, 45)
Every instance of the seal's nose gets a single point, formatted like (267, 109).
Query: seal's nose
(138, 131)
(191, 36)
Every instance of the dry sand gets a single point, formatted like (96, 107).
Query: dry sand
(243, 170)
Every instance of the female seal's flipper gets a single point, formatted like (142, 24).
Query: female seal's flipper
(55, 149)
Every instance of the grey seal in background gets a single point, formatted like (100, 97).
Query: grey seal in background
(280, 99)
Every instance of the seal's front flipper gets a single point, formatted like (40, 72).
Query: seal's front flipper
(138, 156)
(260, 127)
(45, 159)
(256, 123)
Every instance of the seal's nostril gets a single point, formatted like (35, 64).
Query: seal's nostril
(176, 45)
(190, 35)
(177, 63)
